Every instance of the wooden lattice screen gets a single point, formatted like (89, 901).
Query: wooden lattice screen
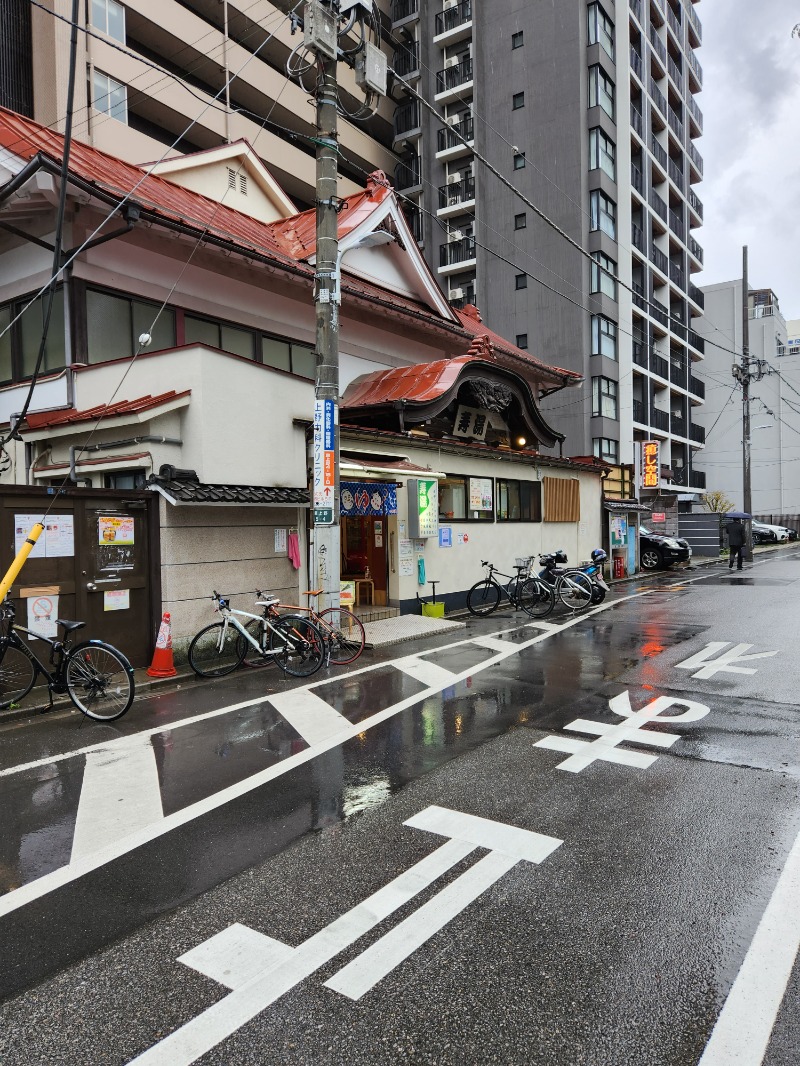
(562, 499)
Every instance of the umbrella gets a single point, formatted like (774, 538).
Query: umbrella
(738, 514)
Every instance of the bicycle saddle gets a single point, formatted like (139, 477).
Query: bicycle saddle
(267, 601)
(69, 626)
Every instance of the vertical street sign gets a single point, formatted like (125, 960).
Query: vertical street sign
(651, 468)
(324, 461)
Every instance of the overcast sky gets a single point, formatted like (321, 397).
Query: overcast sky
(751, 145)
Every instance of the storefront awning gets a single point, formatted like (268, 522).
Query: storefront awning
(620, 506)
(349, 465)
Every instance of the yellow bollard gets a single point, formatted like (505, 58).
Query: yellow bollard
(19, 561)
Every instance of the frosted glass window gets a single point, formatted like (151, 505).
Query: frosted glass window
(304, 361)
(201, 331)
(108, 324)
(31, 325)
(236, 341)
(276, 353)
(162, 335)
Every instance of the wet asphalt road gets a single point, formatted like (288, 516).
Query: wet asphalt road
(612, 935)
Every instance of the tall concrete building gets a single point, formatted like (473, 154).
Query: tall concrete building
(775, 400)
(590, 109)
(126, 107)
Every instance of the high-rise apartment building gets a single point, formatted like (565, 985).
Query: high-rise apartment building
(151, 72)
(590, 109)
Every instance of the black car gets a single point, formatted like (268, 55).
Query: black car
(657, 550)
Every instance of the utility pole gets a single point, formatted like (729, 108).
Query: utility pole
(745, 379)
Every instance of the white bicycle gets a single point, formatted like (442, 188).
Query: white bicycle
(295, 643)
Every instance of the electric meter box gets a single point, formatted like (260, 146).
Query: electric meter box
(319, 29)
(371, 69)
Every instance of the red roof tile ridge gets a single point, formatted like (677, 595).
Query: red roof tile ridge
(44, 419)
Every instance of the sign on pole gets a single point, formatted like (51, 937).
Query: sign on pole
(324, 472)
(651, 467)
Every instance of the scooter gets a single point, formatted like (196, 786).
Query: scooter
(594, 571)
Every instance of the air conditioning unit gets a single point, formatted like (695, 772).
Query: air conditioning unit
(451, 62)
(453, 120)
(449, 3)
(456, 294)
(455, 235)
(453, 178)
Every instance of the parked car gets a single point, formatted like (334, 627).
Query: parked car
(764, 534)
(657, 550)
(792, 533)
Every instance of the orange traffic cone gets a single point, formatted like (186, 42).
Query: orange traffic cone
(162, 664)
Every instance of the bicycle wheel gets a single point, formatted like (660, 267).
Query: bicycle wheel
(216, 650)
(17, 675)
(536, 598)
(250, 657)
(99, 680)
(598, 594)
(300, 646)
(483, 598)
(575, 591)
(344, 633)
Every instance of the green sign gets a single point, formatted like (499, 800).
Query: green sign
(423, 508)
(323, 516)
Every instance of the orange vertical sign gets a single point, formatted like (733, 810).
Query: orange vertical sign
(650, 464)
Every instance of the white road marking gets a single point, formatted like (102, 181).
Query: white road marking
(33, 890)
(236, 955)
(228, 1015)
(725, 663)
(425, 671)
(314, 719)
(120, 794)
(492, 643)
(744, 1026)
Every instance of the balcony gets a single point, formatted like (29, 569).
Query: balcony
(406, 60)
(661, 314)
(697, 295)
(695, 157)
(659, 260)
(659, 365)
(637, 179)
(450, 140)
(677, 425)
(659, 419)
(693, 21)
(637, 66)
(696, 249)
(638, 296)
(697, 479)
(676, 173)
(640, 354)
(414, 219)
(696, 113)
(677, 375)
(659, 153)
(697, 387)
(697, 342)
(636, 8)
(638, 238)
(675, 124)
(457, 253)
(467, 297)
(658, 46)
(454, 77)
(407, 175)
(454, 23)
(456, 194)
(406, 118)
(404, 9)
(658, 205)
(637, 121)
(695, 203)
(657, 97)
(674, 25)
(640, 412)
(677, 276)
(676, 224)
(695, 68)
(657, 12)
(674, 73)
(697, 433)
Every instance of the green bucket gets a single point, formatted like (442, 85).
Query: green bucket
(433, 610)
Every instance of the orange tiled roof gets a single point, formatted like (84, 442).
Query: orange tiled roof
(416, 384)
(48, 419)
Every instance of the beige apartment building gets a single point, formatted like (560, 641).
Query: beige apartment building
(153, 72)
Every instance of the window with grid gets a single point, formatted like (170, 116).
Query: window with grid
(604, 336)
(19, 346)
(603, 213)
(604, 272)
(601, 29)
(109, 96)
(607, 449)
(114, 323)
(109, 17)
(604, 398)
(518, 501)
(601, 90)
(602, 153)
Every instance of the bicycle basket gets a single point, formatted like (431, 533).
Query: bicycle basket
(524, 561)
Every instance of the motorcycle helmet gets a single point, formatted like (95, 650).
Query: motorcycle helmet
(599, 556)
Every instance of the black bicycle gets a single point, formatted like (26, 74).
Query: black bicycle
(96, 677)
(522, 591)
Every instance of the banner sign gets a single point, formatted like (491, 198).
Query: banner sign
(651, 467)
(423, 507)
(367, 498)
(324, 473)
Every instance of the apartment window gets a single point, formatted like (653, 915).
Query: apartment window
(109, 96)
(519, 161)
(517, 39)
(603, 213)
(219, 335)
(294, 358)
(521, 281)
(109, 17)
(114, 323)
(522, 341)
(601, 29)
(19, 348)
(520, 221)
(601, 90)
(604, 398)
(518, 101)
(126, 479)
(466, 499)
(602, 153)
(519, 501)
(607, 449)
(604, 275)
(604, 336)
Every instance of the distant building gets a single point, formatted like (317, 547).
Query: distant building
(775, 406)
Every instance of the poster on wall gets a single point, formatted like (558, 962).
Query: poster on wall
(280, 541)
(347, 593)
(480, 494)
(115, 529)
(57, 541)
(42, 614)
(406, 558)
(116, 600)
(445, 537)
(619, 532)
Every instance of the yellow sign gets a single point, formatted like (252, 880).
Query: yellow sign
(650, 464)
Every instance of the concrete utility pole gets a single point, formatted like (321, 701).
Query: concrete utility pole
(745, 380)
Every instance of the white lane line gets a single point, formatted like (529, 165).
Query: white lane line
(744, 1026)
(425, 671)
(492, 643)
(20, 897)
(314, 719)
(227, 1015)
(365, 971)
(120, 794)
(236, 955)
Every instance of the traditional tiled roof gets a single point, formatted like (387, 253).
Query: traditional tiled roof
(51, 419)
(187, 490)
(413, 384)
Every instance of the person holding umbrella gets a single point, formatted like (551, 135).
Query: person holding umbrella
(736, 538)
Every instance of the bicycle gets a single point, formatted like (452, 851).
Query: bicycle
(342, 630)
(295, 643)
(96, 676)
(573, 588)
(522, 591)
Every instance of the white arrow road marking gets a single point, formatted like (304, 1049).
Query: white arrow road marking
(287, 967)
(236, 955)
(725, 663)
(744, 1026)
(314, 719)
(120, 794)
(425, 671)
